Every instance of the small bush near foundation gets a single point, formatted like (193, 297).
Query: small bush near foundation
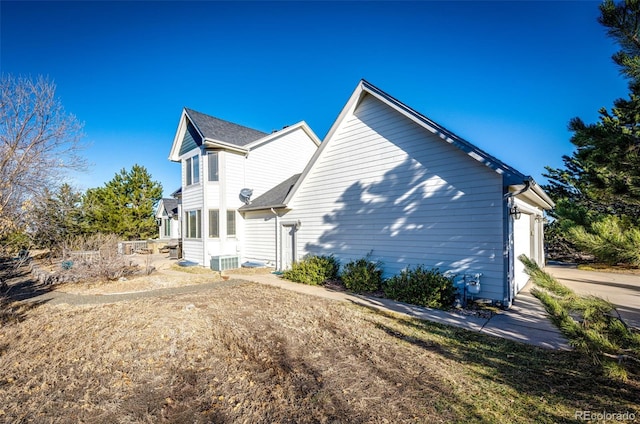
(421, 286)
(313, 270)
(362, 275)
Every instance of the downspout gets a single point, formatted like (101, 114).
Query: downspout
(276, 238)
(527, 185)
(508, 241)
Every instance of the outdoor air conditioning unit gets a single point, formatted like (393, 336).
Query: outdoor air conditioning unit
(222, 263)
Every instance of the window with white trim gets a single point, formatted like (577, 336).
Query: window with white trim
(193, 220)
(192, 170)
(167, 227)
(214, 223)
(231, 223)
(212, 158)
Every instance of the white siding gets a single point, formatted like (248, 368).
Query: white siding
(233, 182)
(385, 184)
(234, 168)
(260, 243)
(272, 163)
(192, 249)
(265, 167)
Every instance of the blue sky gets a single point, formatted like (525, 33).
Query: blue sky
(506, 76)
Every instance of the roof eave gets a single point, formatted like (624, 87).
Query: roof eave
(174, 155)
(535, 193)
(446, 135)
(250, 208)
(213, 144)
(300, 125)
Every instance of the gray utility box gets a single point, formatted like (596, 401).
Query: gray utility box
(175, 251)
(221, 263)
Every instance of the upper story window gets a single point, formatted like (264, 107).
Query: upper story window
(213, 166)
(192, 169)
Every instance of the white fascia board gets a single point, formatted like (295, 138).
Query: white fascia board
(471, 150)
(535, 196)
(310, 133)
(160, 209)
(217, 144)
(348, 108)
(174, 155)
(544, 197)
(291, 128)
(249, 208)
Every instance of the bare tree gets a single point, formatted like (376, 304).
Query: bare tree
(39, 141)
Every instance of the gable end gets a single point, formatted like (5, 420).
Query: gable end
(191, 139)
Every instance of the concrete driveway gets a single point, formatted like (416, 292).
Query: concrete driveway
(623, 290)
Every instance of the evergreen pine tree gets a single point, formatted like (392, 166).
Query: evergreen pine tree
(125, 205)
(601, 179)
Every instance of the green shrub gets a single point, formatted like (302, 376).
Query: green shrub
(421, 286)
(362, 275)
(313, 270)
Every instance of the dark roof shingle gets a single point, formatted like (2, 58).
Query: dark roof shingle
(274, 197)
(170, 205)
(221, 130)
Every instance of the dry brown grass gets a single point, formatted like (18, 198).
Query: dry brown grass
(139, 283)
(619, 269)
(258, 354)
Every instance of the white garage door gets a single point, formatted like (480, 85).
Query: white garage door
(521, 245)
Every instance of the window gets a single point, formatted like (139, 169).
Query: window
(196, 169)
(167, 227)
(214, 223)
(192, 169)
(192, 221)
(231, 223)
(213, 166)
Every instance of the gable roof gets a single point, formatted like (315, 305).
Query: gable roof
(216, 129)
(168, 206)
(273, 198)
(512, 177)
(198, 129)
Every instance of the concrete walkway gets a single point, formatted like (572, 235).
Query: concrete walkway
(57, 297)
(526, 321)
(622, 290)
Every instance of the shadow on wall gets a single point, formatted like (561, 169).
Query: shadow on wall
(417, 212)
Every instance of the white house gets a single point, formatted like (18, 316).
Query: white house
(223, 166)
(168, 217)
(388, 180)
